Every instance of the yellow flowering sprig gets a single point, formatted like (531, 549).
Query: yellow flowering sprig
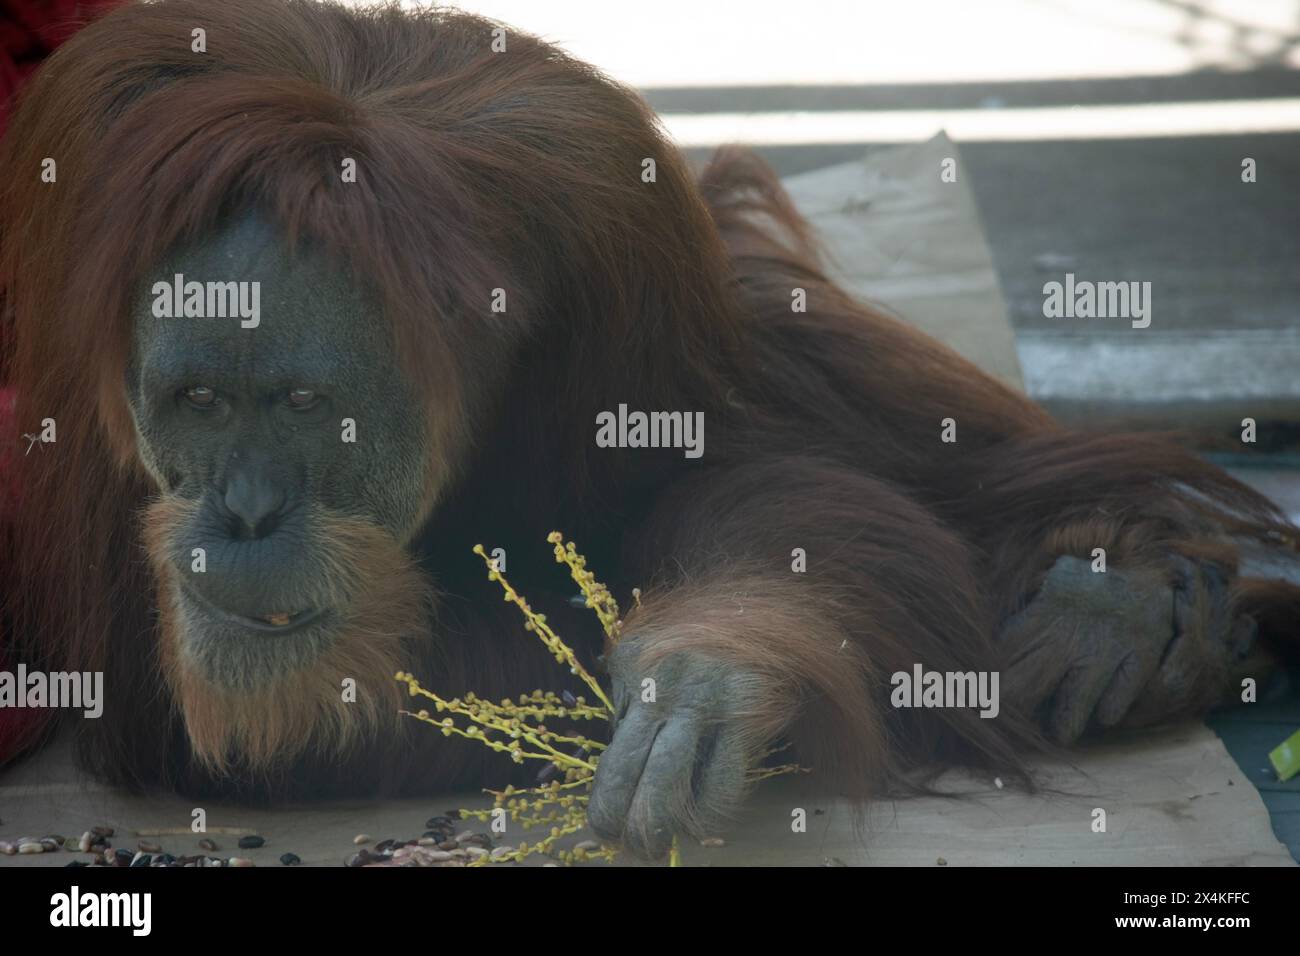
(537, 624)
(551, 805)
(503, 719)
(539, 737)
(517, 728)
(598, 597)
(506, 726)
(542, 704)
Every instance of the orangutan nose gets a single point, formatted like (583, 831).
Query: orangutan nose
(255, 503)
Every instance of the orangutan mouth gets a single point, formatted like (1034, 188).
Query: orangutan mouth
(278, 622)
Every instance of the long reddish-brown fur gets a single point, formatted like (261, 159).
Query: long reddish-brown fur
(522, 171)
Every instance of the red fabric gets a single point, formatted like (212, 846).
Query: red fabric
(29, 31)
(16, 724)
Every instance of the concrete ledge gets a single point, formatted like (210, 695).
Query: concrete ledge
(897, 235)
(1210, 379)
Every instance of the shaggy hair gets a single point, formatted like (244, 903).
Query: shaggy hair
(522, 171)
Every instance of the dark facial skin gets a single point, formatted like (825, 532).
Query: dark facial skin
(246, 424)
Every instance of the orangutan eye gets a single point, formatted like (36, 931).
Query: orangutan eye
(200, 396)
(301, 398)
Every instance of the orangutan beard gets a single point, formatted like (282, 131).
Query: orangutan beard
(254, 700)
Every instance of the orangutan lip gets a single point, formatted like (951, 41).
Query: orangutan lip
(291, 623)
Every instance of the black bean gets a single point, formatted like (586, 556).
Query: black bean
(250, 842)
(290, 859)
